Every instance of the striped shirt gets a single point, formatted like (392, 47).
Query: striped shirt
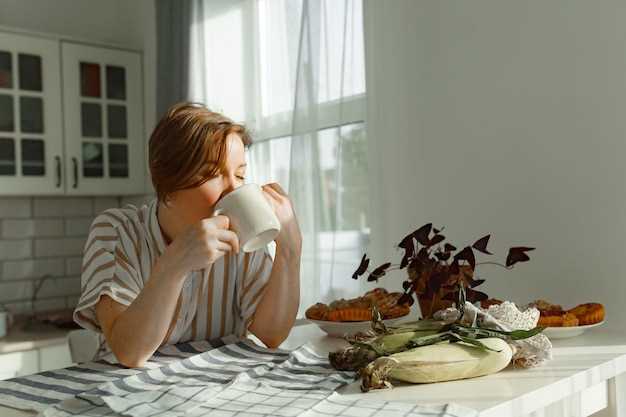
(123, 246)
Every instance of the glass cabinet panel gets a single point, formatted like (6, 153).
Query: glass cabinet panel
(31, 114)
(118, 160)
(6, 113)
(6, 72)
(30, 72)
(7, 156)
(31, 118)
(89, 79)
(93, 161)
(103, 119)
(33, 157)
(116, 82)
(91, 120)
(116, 116)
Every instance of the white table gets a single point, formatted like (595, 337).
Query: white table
(586, 376)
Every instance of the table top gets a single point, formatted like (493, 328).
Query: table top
(579, 363)
(17, 339)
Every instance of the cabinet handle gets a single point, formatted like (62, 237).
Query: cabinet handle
(75, 164)
(58, 166)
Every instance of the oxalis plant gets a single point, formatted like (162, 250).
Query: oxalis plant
(437, 270)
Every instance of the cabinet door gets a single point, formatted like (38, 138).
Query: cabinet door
(31, 141)
(103, 116)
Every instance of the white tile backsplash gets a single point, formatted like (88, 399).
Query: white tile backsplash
(59, 247)
(137, 201)
(32, 227)
(50, 304)
(73, 266)
(78, 226)
(46, 235)
(20, 290)
(63, 207)
(33, 268)
(56, 287)
(16, 208)
(71, 301)
(102, 203)
(20, 307)
(15, 249)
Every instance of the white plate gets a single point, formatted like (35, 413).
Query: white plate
(565, 332)
(348, 328)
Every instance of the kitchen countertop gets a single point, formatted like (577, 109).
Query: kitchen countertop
(580, 379)
(17, 339)
(587, 374)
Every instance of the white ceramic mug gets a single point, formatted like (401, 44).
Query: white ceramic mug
(251, 216)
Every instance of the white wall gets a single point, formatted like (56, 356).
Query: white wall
(129, 24)
(104, 21)
(505, 117)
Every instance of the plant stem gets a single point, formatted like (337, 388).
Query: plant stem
(494, 263)
(393, 267)
(432, 306)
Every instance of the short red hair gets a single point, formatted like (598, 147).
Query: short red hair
(188, 147)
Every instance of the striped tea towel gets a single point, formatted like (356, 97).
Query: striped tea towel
(37, 392)
(206, 379)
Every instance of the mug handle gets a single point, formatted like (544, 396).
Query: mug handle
(219, 212)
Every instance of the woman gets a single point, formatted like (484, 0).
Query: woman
(170, 271)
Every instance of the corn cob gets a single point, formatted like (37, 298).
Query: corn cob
(361, 353)
(438, 362)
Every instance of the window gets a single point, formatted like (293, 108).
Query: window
(255, 55)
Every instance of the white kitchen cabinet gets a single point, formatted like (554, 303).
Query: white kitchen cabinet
(31, 137)
(103, 119)
(71, 118)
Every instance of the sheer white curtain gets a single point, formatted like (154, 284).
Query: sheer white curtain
(293, 71)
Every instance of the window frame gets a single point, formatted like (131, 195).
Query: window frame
(334, 113)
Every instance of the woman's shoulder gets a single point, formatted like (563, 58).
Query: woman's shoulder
(126, 216)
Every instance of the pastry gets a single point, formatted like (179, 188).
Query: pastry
(543, 305)
(318, 311)
(553, 315)
(552, 320)
(589, 313)
(350, 314)
(360, 308)
(569, 320)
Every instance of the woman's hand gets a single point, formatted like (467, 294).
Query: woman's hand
(203, 243)
(289, 237)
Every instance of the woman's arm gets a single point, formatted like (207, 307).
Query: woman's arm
(276, 312)
(135, 332)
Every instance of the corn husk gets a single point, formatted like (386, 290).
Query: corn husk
(438, 362)
(362, 353)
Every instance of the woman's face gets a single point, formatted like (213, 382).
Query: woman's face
(197, 203)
